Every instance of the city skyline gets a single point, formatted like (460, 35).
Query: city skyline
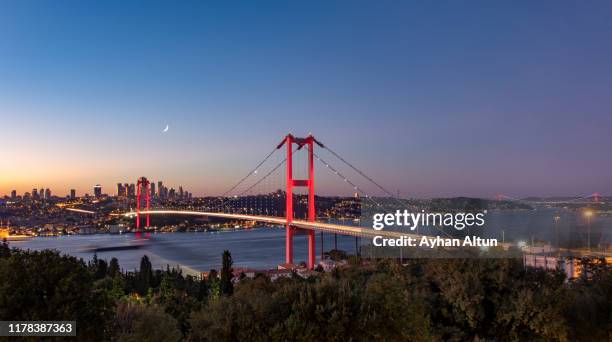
(426, 99)
(119, 189)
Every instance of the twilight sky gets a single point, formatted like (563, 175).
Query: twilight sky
(431, 98)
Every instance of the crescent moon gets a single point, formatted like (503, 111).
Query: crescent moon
(166, 129)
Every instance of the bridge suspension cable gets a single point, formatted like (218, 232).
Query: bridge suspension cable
(252, 172)
(336, 172)
(327, 165)
(263, 178)
(359, 172)
(223, 197)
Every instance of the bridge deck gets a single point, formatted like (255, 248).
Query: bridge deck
(318, 226)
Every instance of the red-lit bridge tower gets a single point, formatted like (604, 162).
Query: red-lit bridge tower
(291, 183)
(143, 185)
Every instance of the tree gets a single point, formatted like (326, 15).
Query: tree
(227, 288)
(113, 268)
(5, 251)
(144, 322)
(145, 276)
(590, 309)
(165, 288)
(390, 310)
(48, 286)
(98, 267)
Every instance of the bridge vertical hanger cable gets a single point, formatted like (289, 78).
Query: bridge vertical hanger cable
(345, 179)
(355, 187)
(252, 172)
(363, 175)
(263, 178)
(371, 180)
(224, 205)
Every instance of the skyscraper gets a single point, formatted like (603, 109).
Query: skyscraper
(131, 190)
(121, 190)
(72, 193)
(152, 189)
(14, 194)
(160, 189)
(47, 193)
(34, 193)
(97, 190)
(181, 193)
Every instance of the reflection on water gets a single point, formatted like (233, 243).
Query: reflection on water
(259, 248)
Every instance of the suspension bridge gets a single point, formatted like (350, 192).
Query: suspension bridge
(292, 224)
(594, 198)
(292, 181)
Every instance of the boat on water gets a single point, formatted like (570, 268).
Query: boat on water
(128, 245)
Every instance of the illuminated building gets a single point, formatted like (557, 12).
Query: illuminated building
(121, 190)
(131, 190)
(6, 234)
(97, 190)
(72, 193)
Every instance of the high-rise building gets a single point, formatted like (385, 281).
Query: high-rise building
(34, 193)
(121, 191)
(41, 193)
(72, 193)
(160, 189)
(152, 189)
(97, 189)
(171, 194)
(14, 194)
(131, 190)
(47, 193)
(181, 193)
